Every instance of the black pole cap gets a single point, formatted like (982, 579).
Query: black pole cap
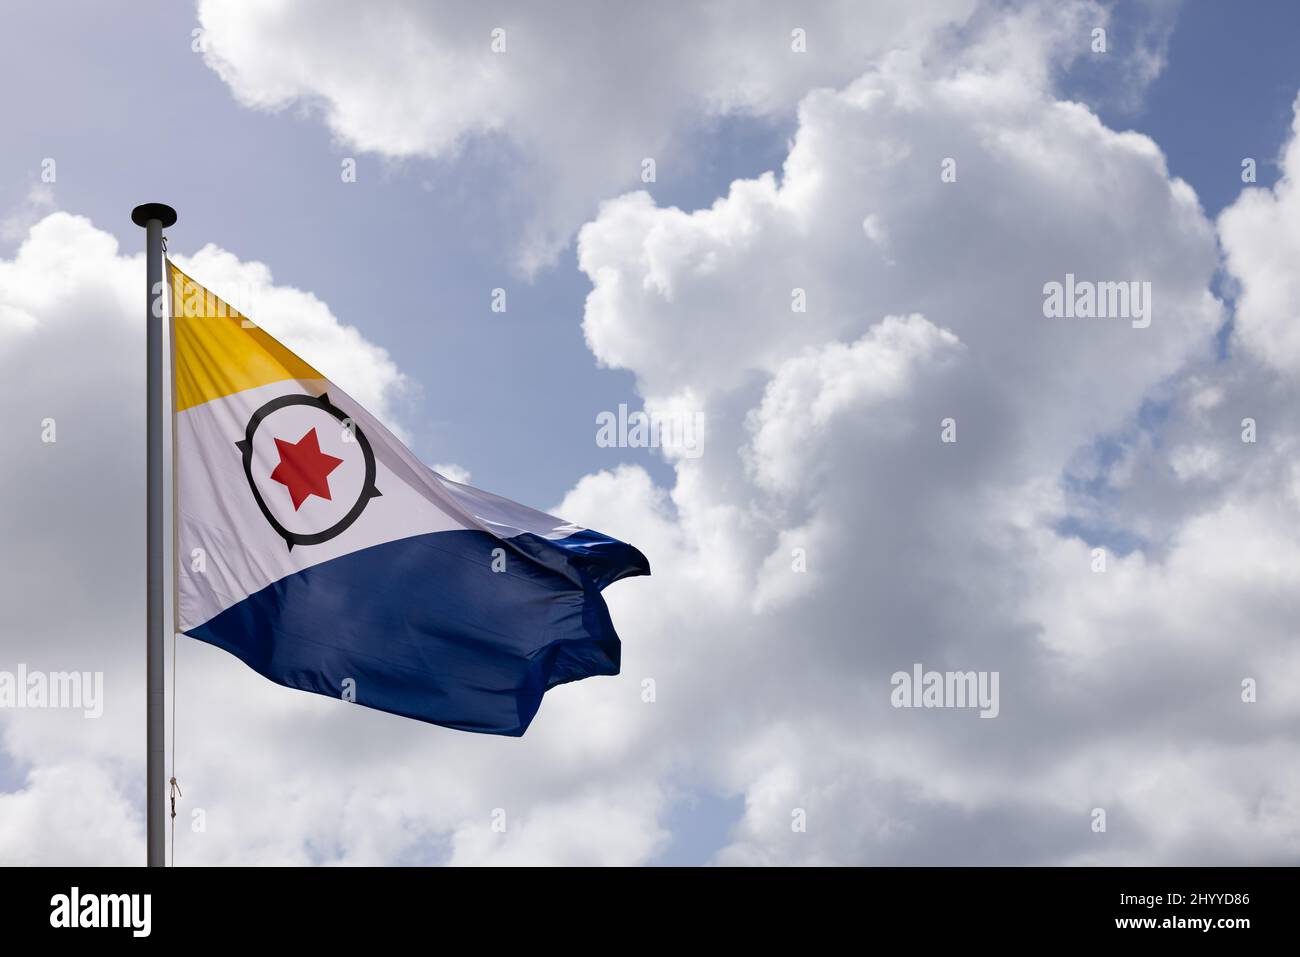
(160, 211)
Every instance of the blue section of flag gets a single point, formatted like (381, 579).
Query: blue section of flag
(426, 628)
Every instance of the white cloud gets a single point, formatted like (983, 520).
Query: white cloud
(810, 392)
(582, 94)
(73, 813)
(1261, 241)
(454, 472)
(1119, 689)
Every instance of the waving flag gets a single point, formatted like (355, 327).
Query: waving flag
(316, 548)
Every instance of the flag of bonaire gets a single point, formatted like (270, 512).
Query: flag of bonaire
(315, 547)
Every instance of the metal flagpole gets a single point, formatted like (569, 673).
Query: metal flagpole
(154, 217)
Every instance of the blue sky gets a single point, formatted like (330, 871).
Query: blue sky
(1225, 93)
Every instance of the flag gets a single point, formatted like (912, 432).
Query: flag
(315, 547)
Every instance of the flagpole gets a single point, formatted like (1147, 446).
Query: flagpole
(154, 217)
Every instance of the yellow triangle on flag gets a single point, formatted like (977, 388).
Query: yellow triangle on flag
(218, 351)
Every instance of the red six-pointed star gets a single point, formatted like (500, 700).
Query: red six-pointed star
(303, 468)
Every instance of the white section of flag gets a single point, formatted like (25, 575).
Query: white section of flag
(241, 552)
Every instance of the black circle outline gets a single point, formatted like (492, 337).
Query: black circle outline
(368, 490)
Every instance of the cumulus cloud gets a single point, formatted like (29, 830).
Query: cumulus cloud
(580, 94)
(810, 392)
(832, 537)
(1261, 240)
(40, 825)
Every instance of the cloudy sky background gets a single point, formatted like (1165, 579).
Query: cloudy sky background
(775, 170)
